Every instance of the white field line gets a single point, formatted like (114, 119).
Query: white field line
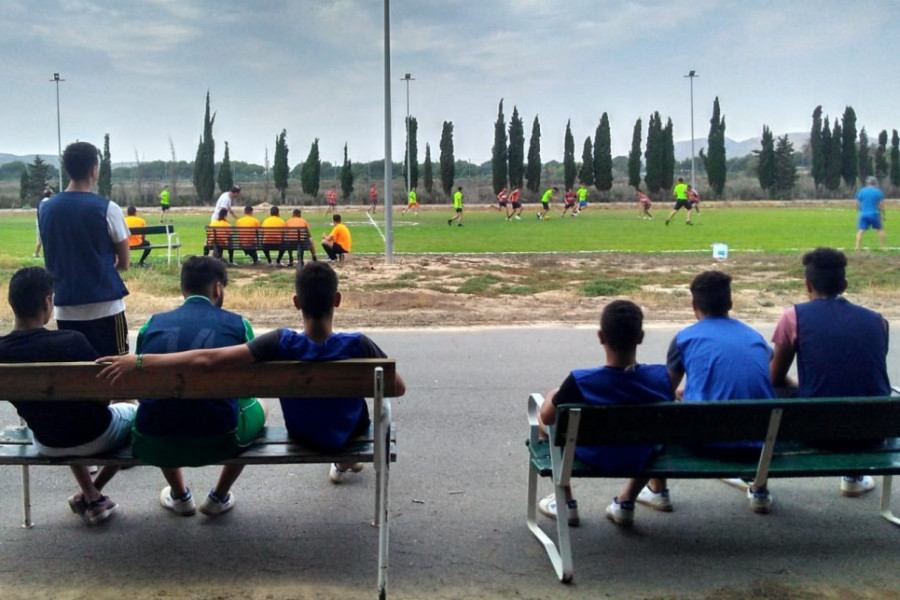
(375, 225)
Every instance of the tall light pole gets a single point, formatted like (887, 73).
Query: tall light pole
(691, 76)
(56, 80)
(388, 167)
(407, 78)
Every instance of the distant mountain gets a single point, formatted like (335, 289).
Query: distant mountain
(735, 149)
(29, 158)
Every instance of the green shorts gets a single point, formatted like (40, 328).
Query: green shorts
(173, 451)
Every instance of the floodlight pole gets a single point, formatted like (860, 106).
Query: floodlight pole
(388, 166)
(691, 76)
(56, 80)
(407, 79)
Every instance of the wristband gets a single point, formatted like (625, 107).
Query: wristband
(139, 363)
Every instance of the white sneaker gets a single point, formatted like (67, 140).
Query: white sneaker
(213, 506)
(183, 506)
(621, 513)
(760, 501)
(336, 474)
(655, 500)
(854, 487)
(547, 506)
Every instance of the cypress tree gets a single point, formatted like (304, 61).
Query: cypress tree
(586, 174)
(881, 163)
(204, 163)
(569, 157)
(714, 161)
(429, 170)
(864, 161)
(516, 150)
(826, 152)
(634, 156)
(412, 130)
(895, 159)
(654, 154)
(346, 175)
(226, 178)
(668, 172)
(25, 188)
(849, 157)
(765, 170)
(104, 181)
(785, 171)
(603, 176)
(835, 159)
(311, 171)
(499, 152)
(448, 166)
(816, 148)
(533, 169)
(280, 166)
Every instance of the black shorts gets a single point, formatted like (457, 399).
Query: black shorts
(517, 205)
(686, 204)
(458, 210)
(108, 335)
(164, 207)
(501, 204)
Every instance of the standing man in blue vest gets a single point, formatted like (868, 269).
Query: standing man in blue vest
(85, 245)
(841, 348)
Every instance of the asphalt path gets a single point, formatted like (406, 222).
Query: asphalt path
(457, 507)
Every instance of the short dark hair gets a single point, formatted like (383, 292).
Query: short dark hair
(235, 189)
(200, 272)
(131, 210)
(621, 323)
(248, 209)
(28, 288)
(297, 212)
(223, 212)
(336, 218)
(826, 270)
(274, 211)
(711, 291)
(316, 285)
(79, 158)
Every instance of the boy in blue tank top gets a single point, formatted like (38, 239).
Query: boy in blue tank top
(621, 381)
(324, 423)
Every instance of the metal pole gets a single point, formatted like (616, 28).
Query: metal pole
(388, 166)
(56, 79)
(691, 76)
(407, 79)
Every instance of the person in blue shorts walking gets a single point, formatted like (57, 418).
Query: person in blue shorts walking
(870, 201)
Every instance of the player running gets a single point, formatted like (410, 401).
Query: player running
(569, 202)
(643, 205)
(516, 205)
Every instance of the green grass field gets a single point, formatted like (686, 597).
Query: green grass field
(769, 230)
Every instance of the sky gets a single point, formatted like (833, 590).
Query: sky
(140, 71)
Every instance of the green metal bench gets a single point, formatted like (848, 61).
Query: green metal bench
(375, 378)
(787, 426)
(172, 245)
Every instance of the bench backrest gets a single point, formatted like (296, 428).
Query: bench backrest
(255, 237)
(152, 230)
(54, 381)
(802, 420)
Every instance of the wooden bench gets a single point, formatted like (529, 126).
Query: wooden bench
(173, 242)
(374, 378)
(793, 424)
(277, 239)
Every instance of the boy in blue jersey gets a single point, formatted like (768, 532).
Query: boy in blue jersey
(870, 202)
(326, 423)
(621, 381)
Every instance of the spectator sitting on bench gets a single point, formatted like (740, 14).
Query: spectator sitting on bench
(323, 423)
(724, 359)
(172, 433)
(137, 241)
(220, 239)
(621, 381)
(297, 221)
(272, 239)
(339, 241)
(247, 238)
(841, 348)
(63, 428)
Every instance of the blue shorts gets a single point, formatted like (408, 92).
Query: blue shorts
(866, 221)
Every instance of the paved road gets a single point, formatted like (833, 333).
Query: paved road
(457, 501)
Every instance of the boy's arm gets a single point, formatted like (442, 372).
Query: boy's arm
(205, 359)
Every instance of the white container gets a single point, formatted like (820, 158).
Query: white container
(720, 251)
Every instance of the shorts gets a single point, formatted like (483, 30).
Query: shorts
(458, 210)
(173, 451)
(412, 205)
(569, 205)
(517, 205)
(582, 203)
(117, 434)
(546, 205)
(164, 207)
(502, 204)
(867, 221)
(108, 335)
(682, 204)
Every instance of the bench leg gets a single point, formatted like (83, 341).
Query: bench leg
(26, 496)
(561, 556)
(382, 461)
(886, 500)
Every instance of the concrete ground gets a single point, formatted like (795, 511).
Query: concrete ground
(458, 511)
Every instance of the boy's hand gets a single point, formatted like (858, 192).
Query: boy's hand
(116, 366)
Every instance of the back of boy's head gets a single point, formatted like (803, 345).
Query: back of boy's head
(316, 285)
(622, 322)
(711, 291)
(336, 218)
(274, 211)
(223, 212)
(28, 288)
(826, 270)
(198, 273)
(248, 210)
(297, 212)
(132, 210)
(78, 160)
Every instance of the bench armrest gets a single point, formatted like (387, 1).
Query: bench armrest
(535, 401)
